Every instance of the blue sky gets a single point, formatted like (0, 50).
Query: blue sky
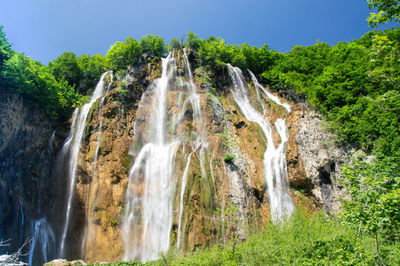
(43, 29)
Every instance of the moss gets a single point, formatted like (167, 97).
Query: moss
(229, 158)
(112, 220)
(127, 160)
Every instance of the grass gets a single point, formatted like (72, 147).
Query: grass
(307, 239)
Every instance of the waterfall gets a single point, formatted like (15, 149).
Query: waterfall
(275, 169)
(43, 234)
(72, 147)
(269, 95)
(96, 155)
(51, 142)
(183, 186)
(152, 182)
(21, 225)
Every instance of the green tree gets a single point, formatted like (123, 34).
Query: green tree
(374, 203)
(123, 54)
(192, 40)
(5, 47)
(38, 86)
(385, 58)
(91, 68)
(175, 44)
(152, 44)
(66, 67)
(389, 10)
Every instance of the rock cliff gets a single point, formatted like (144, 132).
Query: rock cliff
(218, 187)
(28, 145)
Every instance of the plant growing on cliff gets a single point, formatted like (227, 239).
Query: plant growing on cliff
(374, 204)
(227, 220)
(229, 158)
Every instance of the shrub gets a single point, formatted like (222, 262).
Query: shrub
(229, 158)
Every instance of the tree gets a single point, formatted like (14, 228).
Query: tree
(152, 44)
(5, 47)
(374, 203)
(389, 10)
(91, 68)
(192, 40)
(66, 67)
(175, 44)
(38, 86)
(123, 54)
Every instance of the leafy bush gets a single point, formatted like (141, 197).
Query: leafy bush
(374, 203)
(229, 158)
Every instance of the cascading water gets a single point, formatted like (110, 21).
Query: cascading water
(269, 95)
(275, 170)
(96, 155)
(183, 185)
(70, 151)
(42, 240)
(152, 180)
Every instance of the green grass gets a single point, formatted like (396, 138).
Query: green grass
(307, 239)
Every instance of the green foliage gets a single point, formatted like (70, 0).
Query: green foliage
(66, 67)
(373, 206)
(122, 91)
(175, 44)
(307, 239)
(389, 10)
(354, 85)
(123, 54)
(37, 85)
(192, 40)
(215, 53)
(227, 221)
(385, 58)
(153, 45)
(91, 68)
(229, 158)
(130, 53)
(5, 47)
(374, 203)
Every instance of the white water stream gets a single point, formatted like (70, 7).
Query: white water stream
(72, 147)
(164, 107)
(275, 169)
(42, 240)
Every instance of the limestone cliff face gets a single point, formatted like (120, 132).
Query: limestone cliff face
(315, 158)
(27, 149)
(225, 191)
(213, 182)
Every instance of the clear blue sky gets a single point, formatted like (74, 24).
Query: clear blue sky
(43, 29)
